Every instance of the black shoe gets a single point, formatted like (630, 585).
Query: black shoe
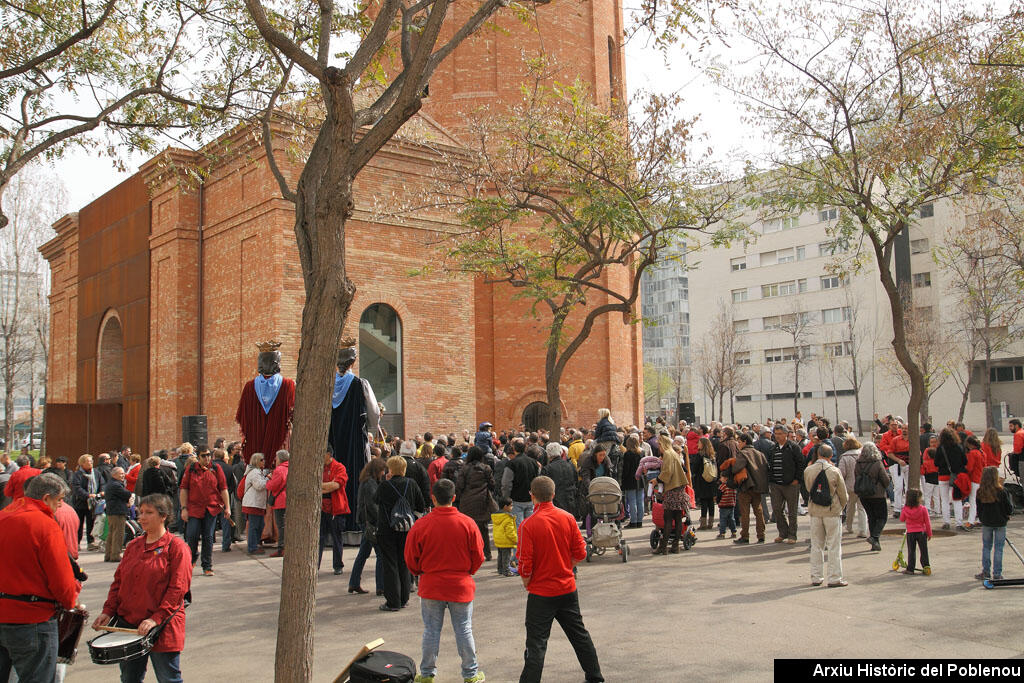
(742, 540)
(227, 550)
(388, 608)
(357, 589)
(338, 571)
(760, 540)
(404, 605)
(380, 593)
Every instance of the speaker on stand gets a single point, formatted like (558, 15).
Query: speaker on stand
(193, 430)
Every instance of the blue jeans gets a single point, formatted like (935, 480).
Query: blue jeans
(226, 530)
(31, 649)
(462, 624)
(333, 527)
(521, 511)
(726, 520)
(357, 568)
(205, 527)
(255, 532)
(635, 505)
(992, 540)
(166, 666)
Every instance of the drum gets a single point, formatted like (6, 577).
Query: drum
(112, 648)
(69, 631)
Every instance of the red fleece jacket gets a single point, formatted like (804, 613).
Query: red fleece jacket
(445, 549)
(550, 544)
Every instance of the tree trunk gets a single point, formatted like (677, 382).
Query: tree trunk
(732, 408)
(925, 408)
(796, 384)
(899, 345)
(323, 205)
(986, 386)
(721, 402)
(856, 393)
(963, 400)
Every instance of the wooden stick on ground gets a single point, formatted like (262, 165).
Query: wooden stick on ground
(366, 649)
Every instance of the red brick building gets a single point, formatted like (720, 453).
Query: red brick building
(160, 290)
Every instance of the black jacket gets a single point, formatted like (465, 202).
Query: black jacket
(117, 497)
(874, 469)
(388, 494)
(418, 473)
(80, 488)
(229, 474)
(563, 473)
(153, 480)
(588, 470)
(366, 507)
(950, 458)
(792, 463)
(996, 513)
(701, 488)
(524, 470)
(606, 431)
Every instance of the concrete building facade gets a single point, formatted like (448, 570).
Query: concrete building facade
(797, 305)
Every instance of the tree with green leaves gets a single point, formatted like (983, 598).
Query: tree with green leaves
(874, 111)
(114, 76)
(569, 204)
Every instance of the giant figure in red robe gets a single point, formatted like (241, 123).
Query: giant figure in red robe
(265, 407)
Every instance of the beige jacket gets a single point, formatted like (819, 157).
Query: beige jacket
(836, 484)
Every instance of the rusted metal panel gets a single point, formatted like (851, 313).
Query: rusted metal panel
(73, 429)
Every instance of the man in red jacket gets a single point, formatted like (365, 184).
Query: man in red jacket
(333, 508)
(28, 628)
(550, 545)
(445, 549)
(204, 496)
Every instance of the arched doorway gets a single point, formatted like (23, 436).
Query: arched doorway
(535, 416)
(110, 359)
(380, 361)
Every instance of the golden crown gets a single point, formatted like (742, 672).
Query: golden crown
(268, 346)
(347, 342)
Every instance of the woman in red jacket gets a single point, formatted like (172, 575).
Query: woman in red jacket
(992, 448)
(975, 464)
(149, 590)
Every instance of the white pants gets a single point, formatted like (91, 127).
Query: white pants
(930, 494)
(856, 517)
(898, 482)
(826, 537)
(944, 500)
(973, 500)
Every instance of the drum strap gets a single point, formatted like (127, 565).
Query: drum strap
(29, 598)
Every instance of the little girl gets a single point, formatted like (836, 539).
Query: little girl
(919, 530)
(994, 508)
(726, 503)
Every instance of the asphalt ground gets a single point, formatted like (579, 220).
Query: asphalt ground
(717, 612)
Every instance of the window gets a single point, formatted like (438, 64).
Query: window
(773, 225)
(1012, 373)
(787, 288)
(739, 295)
(785, 256)
(742, 358)
(923, 312)
(922, 280)
(740, 326)
(832, 281)
(831, 248)
(784, 354)
(835, 315)
(801, 285)
(380, 358)
(738, 263)
(773, 355)
(777, 322)
(839, 349)
(826, 215)
(768, 291)
(919, 246)
(790, 222)
(801, 253)
(927, 210)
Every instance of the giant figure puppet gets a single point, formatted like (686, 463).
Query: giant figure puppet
(355, 415)
(265, 407)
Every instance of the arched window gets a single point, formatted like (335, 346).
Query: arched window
(380, 360)
(110, 359)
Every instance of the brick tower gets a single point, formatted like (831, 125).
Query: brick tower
(580, 40)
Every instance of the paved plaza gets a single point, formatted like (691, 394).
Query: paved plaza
(717, 612)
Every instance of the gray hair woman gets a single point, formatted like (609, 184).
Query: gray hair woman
(254, 501)
(874, 480)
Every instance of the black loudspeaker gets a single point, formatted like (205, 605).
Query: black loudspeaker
(193, 430)
(687, 412)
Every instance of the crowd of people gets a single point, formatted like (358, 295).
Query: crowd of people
(443, 505)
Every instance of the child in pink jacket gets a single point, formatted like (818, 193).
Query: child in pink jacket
(919, 530)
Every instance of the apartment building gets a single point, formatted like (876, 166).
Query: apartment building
(665, 306)
(798, 307)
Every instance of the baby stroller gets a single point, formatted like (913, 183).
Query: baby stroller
(658, 515)
(605, 498)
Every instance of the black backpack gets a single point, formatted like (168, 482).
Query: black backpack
(382, 666)
(863, 484)
(821, 494)
(402, 517)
